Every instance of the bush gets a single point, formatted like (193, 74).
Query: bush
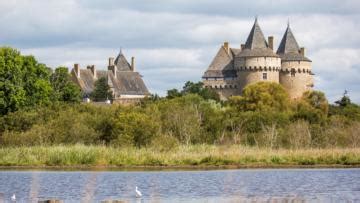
(164, 143)
(262, 96)
(134, 128)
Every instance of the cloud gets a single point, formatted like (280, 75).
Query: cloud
(175, 40)
(338, 70)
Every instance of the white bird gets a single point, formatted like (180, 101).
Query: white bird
(13, 198)
(138, 193)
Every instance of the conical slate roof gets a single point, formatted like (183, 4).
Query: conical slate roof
(256, 44)
(256, 39)
(121, 63)
(289, 49)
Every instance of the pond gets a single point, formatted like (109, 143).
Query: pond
(248, 185)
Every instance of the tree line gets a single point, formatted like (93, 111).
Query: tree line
(264, 116)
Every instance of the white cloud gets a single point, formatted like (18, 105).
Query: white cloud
(174, 41)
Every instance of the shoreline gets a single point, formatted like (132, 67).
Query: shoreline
(176, 168)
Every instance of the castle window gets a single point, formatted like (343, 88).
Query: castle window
(292, 72)
(264, 76)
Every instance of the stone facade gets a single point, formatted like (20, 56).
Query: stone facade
(233, 69)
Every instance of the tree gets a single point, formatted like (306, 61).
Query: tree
(64, 89)
(101, 90)
(262, 96)
(317, 100)
(173, 93)
(198, 88)
(312, 107)
(134, 128)
(12, 93)
(344, 101)
(36, 82)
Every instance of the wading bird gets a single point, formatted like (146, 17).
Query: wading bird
(13, 198)
(138, 193)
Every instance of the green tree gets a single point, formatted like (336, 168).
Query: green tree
(64, 88)
(317, 100)
(312, 107)
(173, 93)
(198, 88)
(262, 96)
(12, 93)
(344, 101)
(101, 91)
(134, 128)
(36, 82)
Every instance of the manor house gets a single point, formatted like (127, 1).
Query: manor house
(232, 69)
(125, 83)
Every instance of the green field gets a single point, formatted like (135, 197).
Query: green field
(231, 156)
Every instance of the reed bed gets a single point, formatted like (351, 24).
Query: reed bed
(182, 156)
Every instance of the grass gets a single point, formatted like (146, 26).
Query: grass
(182, 156)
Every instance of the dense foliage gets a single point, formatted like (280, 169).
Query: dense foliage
(188, 119)
(263, 116)
(26, 83)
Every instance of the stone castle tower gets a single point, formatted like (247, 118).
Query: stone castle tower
(232, 69)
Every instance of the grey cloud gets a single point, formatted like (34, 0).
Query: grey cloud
(230, 7)
(174, 41)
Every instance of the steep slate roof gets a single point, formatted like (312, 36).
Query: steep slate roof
(121, 63)
(256, 44)
(222, 64)
(126, 81)
(289, 49)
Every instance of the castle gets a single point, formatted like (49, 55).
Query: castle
(125, 83)
(232, 69)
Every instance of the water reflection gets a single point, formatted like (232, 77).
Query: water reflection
(331, 185)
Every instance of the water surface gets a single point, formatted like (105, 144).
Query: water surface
(266, 185)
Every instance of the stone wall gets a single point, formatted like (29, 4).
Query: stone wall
(257, 62)
(296, 77)
(247, 77)
(251, 69)
(225, 88)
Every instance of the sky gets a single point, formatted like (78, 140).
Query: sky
(174, 41)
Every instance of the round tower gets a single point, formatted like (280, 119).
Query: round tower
(295, 74)
(257, 62)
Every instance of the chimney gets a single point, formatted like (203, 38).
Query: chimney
(93, 70)
(302, 51)
(112, 66)
(271, 42)
(226, 46)
(242, 47)
(132, 64)
(111, 61)
(77, 70)
(113, 69)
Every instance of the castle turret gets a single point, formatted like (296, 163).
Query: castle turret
(295, 74)
(257, 62)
